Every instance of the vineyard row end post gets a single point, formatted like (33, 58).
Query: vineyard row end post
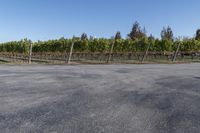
(110, 53)
(70, 53)
(176, 53)
(30, 53)
(146, 53)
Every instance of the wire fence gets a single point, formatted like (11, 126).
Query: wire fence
(101, 58)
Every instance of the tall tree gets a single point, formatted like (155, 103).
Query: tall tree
(137, 32)
(167, 34)
(91, 38)
(118, 36)
(151, 37)
(84, 36)
(197, 34)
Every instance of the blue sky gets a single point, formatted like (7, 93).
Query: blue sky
(50, 19)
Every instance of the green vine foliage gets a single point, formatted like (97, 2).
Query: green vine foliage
(101, 45)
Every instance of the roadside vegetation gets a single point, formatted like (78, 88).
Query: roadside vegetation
(136, 41)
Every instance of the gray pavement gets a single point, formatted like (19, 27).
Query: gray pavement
(100, 99)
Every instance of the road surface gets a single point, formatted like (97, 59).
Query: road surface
(100, 98)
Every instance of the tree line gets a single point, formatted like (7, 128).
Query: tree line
(137, 41)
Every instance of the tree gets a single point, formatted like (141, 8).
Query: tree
(151, 41)
(118, 36)
(151, 37)
(197, 34)
(167, 34)
(137, 32)
(91, 38)
(84, 36)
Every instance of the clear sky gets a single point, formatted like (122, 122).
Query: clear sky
(50, 19)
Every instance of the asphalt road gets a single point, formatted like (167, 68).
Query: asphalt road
(100, 99)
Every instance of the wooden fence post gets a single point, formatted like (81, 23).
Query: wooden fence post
(30, 53)
(175, 54)
(110, 53)
(146, 53)
(70, 53)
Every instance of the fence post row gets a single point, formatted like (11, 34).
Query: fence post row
(28, 57)
(70, 53)
(30, 53)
